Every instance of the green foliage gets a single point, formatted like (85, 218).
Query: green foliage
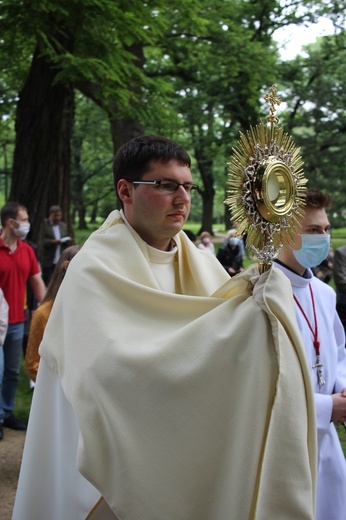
(193, 71)
(339, 233)
(216, 87)
(92, 183)
(81, 235)
(314, 92)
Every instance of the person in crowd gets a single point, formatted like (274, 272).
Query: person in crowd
(30, 306)
(206, 244)
(155, 366)
(324, 341)
(340, 282)
(230, 256)
(18, 264)
(3, 330)
(232, 233)
(55, 240)
(41, 315)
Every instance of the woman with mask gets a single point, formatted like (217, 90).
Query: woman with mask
(18, 265)
(206, 244)
(324, 340)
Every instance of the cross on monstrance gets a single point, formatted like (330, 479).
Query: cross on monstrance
(319, 367)
(273, 100)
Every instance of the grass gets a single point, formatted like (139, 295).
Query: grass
(342, 437)
(23, 396)
(81, 235)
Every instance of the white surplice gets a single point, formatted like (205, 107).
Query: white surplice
(331, 480)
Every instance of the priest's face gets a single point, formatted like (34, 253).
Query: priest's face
(156, 214)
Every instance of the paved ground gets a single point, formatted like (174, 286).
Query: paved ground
(11, 449)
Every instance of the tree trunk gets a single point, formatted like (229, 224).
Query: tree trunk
(77, 183)
(94, 213)
(81, 218)
(207, 213)
(205, 167)
(122, 132)
(41, 166)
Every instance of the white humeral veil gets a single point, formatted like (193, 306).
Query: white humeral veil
(192, 406)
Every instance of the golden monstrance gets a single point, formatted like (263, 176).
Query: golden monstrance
(266, 186)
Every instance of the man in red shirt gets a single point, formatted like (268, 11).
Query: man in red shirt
(18, 264)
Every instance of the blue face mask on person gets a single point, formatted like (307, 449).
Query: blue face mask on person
(314, 250)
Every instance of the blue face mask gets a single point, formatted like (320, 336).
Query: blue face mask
(314, 250)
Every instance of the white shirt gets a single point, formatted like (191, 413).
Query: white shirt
(56, 231)
(331, 479)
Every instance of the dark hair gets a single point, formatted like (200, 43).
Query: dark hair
(314, 198)
(133, 159)
(10, 210)
(59, 272)
(54, 209)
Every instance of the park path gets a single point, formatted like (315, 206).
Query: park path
(11, 449)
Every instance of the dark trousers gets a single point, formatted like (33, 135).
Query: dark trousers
(47, 273)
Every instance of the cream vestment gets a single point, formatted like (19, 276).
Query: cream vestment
(191, 406)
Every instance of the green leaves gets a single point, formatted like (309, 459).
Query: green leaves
(313, 88)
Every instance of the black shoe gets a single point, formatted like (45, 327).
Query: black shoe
(12, 422)
(1, 433)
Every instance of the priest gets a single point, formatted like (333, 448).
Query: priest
(167, 390)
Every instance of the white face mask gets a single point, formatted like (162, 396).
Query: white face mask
(314, 250)
(22, 231)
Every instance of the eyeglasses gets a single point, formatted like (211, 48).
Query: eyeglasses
(169, 186)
